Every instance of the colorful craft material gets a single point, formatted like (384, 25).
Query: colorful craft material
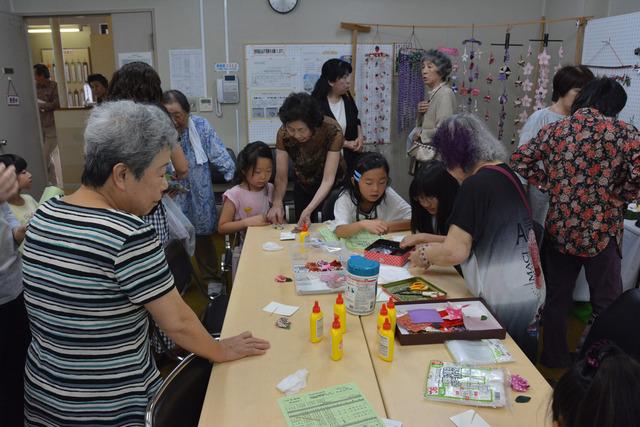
(518, 383)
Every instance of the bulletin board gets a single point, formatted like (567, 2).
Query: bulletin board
(274, 71)
(609, 45)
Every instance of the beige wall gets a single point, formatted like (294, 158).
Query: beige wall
(176, 25)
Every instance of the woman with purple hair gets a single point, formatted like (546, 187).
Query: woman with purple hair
(490, 229)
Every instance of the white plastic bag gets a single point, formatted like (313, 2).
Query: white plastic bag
(180, 228)
(483, 352)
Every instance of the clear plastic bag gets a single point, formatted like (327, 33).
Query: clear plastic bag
(180, 228)
(482, 352)
(466, 385)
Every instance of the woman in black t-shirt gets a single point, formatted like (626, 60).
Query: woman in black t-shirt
(490, 228)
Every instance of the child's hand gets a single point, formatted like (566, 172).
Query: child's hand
(256, 221)
(410, 241)
(375, 226)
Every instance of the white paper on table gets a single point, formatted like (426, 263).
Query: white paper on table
(469, 418)
(287, 235)
(390, 273)
(281, 309)
(391, 423)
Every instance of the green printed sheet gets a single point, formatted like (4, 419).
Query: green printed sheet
(341, 405)
(356, 242)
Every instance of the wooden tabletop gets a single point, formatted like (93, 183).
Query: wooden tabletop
(243, 392)
(402, 382)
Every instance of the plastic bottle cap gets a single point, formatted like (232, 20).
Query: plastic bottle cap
(383, 309)
(361, 266)
(316, 307)
(336, 322)
(387, 325)
(339, 300)
(390, 303)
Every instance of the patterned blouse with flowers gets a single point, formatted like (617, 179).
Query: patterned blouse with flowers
(591, 169)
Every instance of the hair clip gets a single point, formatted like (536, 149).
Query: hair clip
(356, 176)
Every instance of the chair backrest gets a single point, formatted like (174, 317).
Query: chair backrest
(216, 176)
(617, 323)
(179, 264)
(179, 400)
(329, 203)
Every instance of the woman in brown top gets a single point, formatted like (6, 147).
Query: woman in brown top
(313, 142)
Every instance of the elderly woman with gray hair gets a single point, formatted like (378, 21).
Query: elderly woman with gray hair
(490, 229)
(93, 271)
(440, 104)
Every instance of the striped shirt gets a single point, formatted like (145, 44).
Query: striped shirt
(87, 274)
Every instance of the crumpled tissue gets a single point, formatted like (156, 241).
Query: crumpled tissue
(294, 382)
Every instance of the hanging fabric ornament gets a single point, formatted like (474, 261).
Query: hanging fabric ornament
(560, 56)
(517, 102)
(529, 51)
(486, 116)
(561, 51)
(513, 139)
(378, 69)
(454, 87)
(504, 72)
(526, 101)
(527, 85)
(487, 97)
(475, 91)
(489, 79)
(528, 68)
(543, 79)
(410, 86)
(518, 82)
(492, 58)
(521, 61)
(465, 55)
(523, 116)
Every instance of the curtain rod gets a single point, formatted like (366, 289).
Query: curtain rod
(579, 19)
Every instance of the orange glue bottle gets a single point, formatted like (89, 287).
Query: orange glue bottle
(391, 309)
(316, 330)
(386, 341)
(341, 311)
(384, 313)
(336, 339)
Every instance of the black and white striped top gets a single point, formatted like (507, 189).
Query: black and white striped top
(87, 274)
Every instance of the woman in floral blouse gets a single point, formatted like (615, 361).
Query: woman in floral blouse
(591, 169)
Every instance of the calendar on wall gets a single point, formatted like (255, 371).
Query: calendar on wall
(609, 50)
(276, 70)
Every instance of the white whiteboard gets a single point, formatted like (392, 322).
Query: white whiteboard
(274, 71)
(623, 32)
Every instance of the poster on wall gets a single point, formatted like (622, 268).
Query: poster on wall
(274, 71)
(186, 72)
(128, 57)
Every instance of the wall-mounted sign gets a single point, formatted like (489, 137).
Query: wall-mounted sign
(231, 67)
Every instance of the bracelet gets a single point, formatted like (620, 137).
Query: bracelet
(422, 254)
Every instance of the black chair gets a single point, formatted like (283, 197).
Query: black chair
(329, 203)
(214, 314)
(618, 323)
(179, 400)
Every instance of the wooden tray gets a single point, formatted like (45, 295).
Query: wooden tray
(440, 337)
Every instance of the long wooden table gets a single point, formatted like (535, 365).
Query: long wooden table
(243, 393)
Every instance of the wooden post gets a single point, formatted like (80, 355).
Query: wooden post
(582, 23)
(354, 28)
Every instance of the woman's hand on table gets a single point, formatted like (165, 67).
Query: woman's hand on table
(275, 215)
(243, 345)
(375, 226)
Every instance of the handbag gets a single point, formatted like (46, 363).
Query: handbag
(532, 244)
(421, 151)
